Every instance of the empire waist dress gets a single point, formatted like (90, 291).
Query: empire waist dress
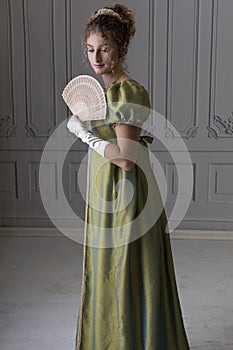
(129, 298)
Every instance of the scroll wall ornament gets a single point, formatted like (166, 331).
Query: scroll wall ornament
(7, 126)
(212, 133)
(190, 132)
(5, 121)
(33, 132)
(224, 126)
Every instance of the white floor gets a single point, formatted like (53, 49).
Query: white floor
(40, 280)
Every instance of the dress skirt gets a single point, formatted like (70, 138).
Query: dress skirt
(129, 298)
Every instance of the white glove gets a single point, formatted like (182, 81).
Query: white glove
(76, 127)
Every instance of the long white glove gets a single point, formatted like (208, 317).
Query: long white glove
(76, 127)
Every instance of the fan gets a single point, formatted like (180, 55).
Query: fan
(85, 98)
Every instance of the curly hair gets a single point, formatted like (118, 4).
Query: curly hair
(121, 26)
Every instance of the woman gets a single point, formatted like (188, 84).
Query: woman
(129, 296)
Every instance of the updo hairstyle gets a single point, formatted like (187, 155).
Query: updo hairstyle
(121, 26)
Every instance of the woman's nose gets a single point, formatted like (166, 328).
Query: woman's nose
(97, 56)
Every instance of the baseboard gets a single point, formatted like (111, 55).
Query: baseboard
(78, 234)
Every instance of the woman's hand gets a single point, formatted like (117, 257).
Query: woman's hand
(124, 154)
(75, 126)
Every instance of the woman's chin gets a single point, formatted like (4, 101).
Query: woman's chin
(98, 71)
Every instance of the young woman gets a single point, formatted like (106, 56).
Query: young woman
(129, 296)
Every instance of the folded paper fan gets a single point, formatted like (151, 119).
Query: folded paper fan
(85, 98)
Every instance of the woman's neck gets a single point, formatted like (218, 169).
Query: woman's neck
(110, 79)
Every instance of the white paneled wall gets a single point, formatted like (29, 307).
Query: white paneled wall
(182, 52)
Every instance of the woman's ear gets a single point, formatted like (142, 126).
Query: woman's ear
(123, 50)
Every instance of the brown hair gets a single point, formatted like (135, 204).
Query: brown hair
(122, 29)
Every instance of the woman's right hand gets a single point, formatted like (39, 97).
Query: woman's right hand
(75, 126)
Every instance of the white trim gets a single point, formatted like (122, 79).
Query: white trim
(29, 231)
(53, 232)
(202, 234)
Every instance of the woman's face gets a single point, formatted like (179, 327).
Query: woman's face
(103, 53)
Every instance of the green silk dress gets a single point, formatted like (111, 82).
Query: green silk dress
(129, 298)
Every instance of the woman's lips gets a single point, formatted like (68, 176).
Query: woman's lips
(98, 65)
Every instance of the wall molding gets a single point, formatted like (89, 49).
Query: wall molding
(53, 232)
(218, 126)
(7, 120)
(211, 235)
(9, 183)
(151, 47)
(190, 130)
(33, 128)
(68, 29)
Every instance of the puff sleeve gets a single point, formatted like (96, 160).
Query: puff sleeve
(128, 103)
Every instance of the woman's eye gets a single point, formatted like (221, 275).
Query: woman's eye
(104, 49)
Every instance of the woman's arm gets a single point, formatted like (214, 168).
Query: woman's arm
(124, 154)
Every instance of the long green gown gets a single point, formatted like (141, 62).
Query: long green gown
(129, 297)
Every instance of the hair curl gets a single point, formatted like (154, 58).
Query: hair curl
(121, 30)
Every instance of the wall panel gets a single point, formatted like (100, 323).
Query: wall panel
(8, 181)
(221, 82)
(7, 115)
(40, 72)
(182, 53)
